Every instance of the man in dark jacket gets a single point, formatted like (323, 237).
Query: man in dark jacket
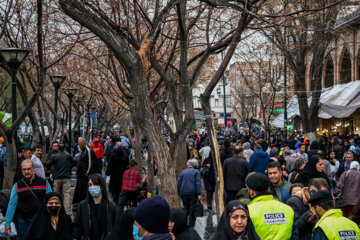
(345, 165)
(259, 160)
(118, 164)
(189, 188)
(88, 164)
(235, 171)
(62, 162)
(95, 215)
(226, 152)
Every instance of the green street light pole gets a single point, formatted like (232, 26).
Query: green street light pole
(224, 86)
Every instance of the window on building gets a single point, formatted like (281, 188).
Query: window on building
(216, 102)
(329, 72)
(345, 72)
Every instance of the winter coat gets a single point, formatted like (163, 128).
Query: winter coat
(259, 161)
(349, 188)
(209, 180)
(302, 214)
(225, 154)
(63, 162)
(235, 171)
(189, 182)
(86, 225)
(97, 148)
(118, 164)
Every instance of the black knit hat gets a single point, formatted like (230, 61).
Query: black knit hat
(258, 182)
(320, 197)
(153, 215)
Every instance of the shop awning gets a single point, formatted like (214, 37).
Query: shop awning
(338, 101)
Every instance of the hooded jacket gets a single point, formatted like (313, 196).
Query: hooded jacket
(259, 161)
(97, 148)
(86, 224)
(181, 230)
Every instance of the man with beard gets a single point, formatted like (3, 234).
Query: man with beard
(26, 197)
(118, 163)
(88, 164)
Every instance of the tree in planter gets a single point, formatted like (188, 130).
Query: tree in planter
(302, 36)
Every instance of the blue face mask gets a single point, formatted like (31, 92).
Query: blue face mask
(94, 191)
(136, 233)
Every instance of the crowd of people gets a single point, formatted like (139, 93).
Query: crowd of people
(276, 189)
(294, 189)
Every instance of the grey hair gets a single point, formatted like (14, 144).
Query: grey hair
(350, 152)
(193, 162)
(27, 161)
(257, 147)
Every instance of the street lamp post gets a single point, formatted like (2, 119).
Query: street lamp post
(224, 89)
(57, 81)
(70, 93)
(13, 57)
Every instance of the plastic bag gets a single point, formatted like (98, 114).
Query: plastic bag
(11, 234)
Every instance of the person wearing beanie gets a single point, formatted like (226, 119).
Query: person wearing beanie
(272, 219)
(332, 224)
(151, 219)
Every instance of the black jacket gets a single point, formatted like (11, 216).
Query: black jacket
(302, 215)
(86, 224)
(63, 162)
(209, 180)
(118, 164)
(235, 171)
(225, 154)
(83, 165)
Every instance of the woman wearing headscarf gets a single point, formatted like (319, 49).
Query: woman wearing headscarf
(51, 221)
(179, 228)
(313, 169)
(348, 187)
(95, 215)
(247, 151)
(235, 223)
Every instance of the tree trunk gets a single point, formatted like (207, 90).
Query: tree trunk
(179, 153)
(11, 162)
(138, 143)
(219, 192)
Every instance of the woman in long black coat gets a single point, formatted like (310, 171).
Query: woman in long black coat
(209, 180)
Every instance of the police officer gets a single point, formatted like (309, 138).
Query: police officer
(272, 219)
(331, 224)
